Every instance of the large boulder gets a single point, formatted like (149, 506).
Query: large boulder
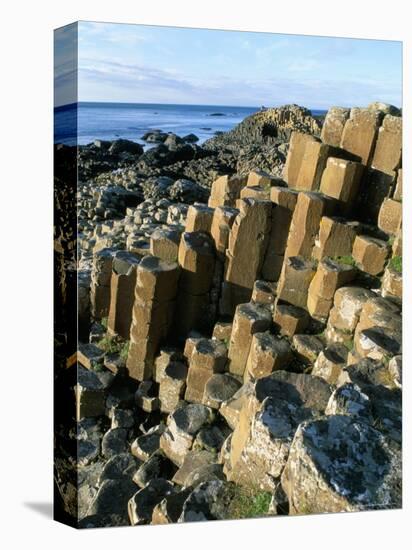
(340, 464)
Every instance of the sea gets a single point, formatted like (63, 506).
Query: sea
(110, 121)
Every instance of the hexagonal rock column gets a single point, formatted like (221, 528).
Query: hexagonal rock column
(223, 218)
(100, 283)
(360, 133)
(388, 151)
(226, 190)
(262, 179)
(344, 316)
(333, 125)
(397, 195)
(341, 180)
(219, 388)
(390, 216)
(297, 146)
(370, 254)
(244, 261)
(123, 282)
(330, 362)
(375, 188)
(284, 202)
(290, 320)
(199, 218)
(164, 243)
(155, 294)
(89, 393)
(267, 354)
(249, 319)
(318, 477)
(314, 162)
(256, 192)
(336, 237)
(329, 276)
(294, 281)
(392, 284)
(172, 386)
(207, 358)
(197, 261)
(310, 207)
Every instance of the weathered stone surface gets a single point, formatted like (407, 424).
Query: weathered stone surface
(208, 501)
(267, 354)
(392, 284)
(370, 254)
(90, 356)
(172, 386)
(333, 125)
(313, 164)
(218, 389)
(170, 508)
(225, 190)
(348, 303)
(230, 409)
(249, 319)
(290, 319)
(297, 274)
(329, 276)
(307, 347)
(336, 237)
(142, 503)
(122, 286)
(167, 356)
(360, 133)
(349, 399)
(193, 461)
(310, 207)
(388, 149)
(164, 243)
(297, 147)
(284, 202)
(262, 178)
(379, 312)
(261, 440)
(375, 188)
(341, 180)
(207, 357)
(390, 216)
(146, 396)
(378, 343)
(397, 195)
(111, 501)
(89, 393)
(366, 372)
(395, 370)
(319, 478)
(197, 261)
(243, 262)
(114, 442)
(122, 418)
(330, 362)
(182, 427)
(222, 331)
(210, 438)
(222, 222)
(100, 283)
(156, 288)
(255, 192)
(155, 467)
(263, 292)
(199, 218)
(145, 445)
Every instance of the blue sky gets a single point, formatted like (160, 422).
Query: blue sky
(133, 63)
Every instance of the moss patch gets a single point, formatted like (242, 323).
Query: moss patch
(248, 503)
(346, 260)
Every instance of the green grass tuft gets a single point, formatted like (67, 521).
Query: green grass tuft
(346, 260)
(396, 263)
(248, 503)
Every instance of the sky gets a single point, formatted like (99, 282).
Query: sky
(147, 64)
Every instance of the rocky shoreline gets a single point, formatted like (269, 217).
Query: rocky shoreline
(240, 322)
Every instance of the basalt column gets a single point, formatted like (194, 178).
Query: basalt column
(123, 281)
(153, 309)
(245, 254)
(197, 262)
(100, 286)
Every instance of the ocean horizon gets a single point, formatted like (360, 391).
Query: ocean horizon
(110, 121)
